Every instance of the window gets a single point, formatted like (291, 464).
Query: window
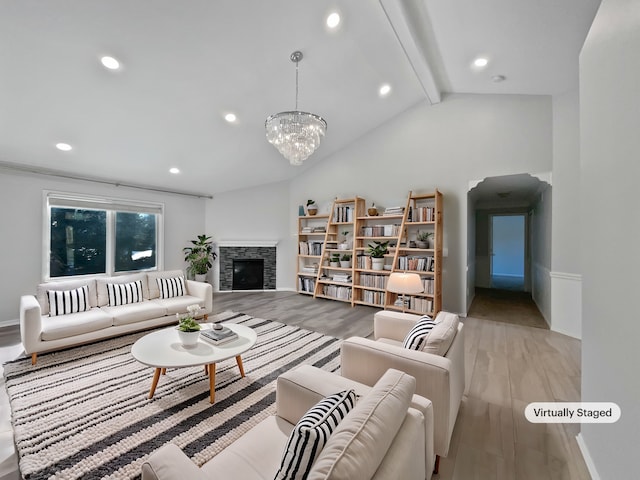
(90, 236)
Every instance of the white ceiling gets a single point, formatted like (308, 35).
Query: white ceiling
(187, 63)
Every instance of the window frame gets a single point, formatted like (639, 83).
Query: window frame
(110, 205)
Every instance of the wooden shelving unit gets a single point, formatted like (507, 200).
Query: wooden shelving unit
(423, 213)
(370, 285)
(312, 231)
(339, 241)
(349, 231)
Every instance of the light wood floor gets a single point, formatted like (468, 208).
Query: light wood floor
(507, 366)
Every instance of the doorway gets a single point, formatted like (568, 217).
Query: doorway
(507, 254)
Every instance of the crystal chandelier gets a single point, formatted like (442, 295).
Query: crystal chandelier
(295, 134)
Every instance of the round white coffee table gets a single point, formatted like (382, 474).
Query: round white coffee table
(162, 349)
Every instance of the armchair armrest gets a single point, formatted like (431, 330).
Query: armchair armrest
(365, 360)
(203, 291)
(393, 325)
(169, 462)
(30, 323)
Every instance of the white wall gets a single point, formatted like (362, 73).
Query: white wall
(258, 213)
(22, 223)
(610, 234)
(566, 282)
(442, 146)
(540, 239)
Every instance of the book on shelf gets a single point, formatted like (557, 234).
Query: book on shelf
(219, 336)
(343, 214)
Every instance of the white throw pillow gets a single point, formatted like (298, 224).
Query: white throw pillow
(311, 433)
(417, 336)
(171, 287)
(124, 293)
(62, 302)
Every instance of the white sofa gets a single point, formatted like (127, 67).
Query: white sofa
(43, 333)
(440, 378)
(383, 437)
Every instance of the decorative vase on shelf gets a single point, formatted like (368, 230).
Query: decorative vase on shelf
(372, 211)
(312, 210)
(420, 244)
(189, 339)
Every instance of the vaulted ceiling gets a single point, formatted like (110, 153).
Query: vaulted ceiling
(186, 64)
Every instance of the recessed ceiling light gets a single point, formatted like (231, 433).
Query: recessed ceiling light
(384, 90)
(333, 20)
(230, 117)
(65, 147)
(480, 62)
(110, 63)
(174, 170)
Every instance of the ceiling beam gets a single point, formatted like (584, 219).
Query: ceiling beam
(405, 28)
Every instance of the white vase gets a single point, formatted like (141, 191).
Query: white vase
(377, 263)
(189, 339)
(201, 277)
(345, 263)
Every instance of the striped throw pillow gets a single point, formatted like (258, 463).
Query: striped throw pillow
(124, 293)
(62, 302)
(311, 433)
(171, 287)
(417, 336)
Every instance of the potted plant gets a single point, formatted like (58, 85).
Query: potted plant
(423, 239)
(345, 242)
(312, 208)
(334, 261)
(377, 253)
(188, 330)
(345, 261)
(200, 257)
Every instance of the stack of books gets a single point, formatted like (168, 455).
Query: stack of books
(393, 211)
(342, 277)
(218, 337)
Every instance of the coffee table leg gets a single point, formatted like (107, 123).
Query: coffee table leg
(239, 360)
(164, 371)
(156, 377)
(212, 383)
(206, 370)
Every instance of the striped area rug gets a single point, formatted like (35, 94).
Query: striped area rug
(84, 412)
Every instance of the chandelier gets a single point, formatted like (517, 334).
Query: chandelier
(295, 134)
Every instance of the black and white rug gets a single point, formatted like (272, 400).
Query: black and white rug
(84, 412)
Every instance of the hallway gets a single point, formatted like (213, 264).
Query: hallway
(507, 306)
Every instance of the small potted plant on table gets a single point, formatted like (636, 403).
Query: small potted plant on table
(188, 330)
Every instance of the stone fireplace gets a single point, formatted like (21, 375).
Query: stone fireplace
(247, 271)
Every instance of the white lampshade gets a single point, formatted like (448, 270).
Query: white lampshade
(405, 283)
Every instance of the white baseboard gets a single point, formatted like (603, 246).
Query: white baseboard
(587, 457)
(9, 323)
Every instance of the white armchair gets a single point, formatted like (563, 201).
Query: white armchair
(438, 378)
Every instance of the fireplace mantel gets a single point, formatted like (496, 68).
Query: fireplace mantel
(247, 243)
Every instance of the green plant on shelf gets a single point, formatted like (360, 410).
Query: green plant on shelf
(378, 250)
(424, 236)
(335, 257)
(345, 257)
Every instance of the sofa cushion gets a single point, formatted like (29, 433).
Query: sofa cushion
(154, 291)
(178, 304)
(311, 433)
(171, 287)
(360, 442)
(62, 302)
(101, 285)
(442, 335)
(135, 312)
(124, 293)
(63, 326)
(417, 336)
(43, 288)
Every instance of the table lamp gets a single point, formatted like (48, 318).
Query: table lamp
(404, 283)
